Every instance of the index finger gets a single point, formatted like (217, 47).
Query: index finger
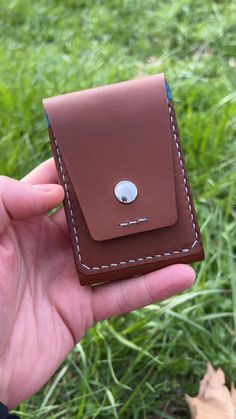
(44, 173)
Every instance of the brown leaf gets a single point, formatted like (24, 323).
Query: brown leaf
(214, 401)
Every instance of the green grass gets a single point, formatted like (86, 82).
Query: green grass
(139, 365)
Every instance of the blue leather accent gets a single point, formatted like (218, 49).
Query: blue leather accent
(168, 92)
(47, 119)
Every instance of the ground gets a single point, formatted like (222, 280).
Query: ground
(142, 364)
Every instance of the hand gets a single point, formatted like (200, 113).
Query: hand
(43, 309)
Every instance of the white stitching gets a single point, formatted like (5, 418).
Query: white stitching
(140, 220)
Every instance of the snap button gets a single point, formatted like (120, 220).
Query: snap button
(126, 191)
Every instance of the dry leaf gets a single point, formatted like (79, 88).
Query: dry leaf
(214, 401)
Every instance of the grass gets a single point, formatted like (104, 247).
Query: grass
(139, 365)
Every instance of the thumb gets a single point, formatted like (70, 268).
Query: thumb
(20, 200)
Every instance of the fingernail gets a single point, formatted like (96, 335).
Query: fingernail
(46, 187)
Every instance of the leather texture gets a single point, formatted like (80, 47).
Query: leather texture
(123, 131)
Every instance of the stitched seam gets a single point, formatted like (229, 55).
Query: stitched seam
(139, 220)
(141, 259)
(183, 172)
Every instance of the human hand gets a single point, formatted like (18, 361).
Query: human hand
(44, 311)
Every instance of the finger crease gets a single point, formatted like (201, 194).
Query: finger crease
(148, 289)
(122, 300)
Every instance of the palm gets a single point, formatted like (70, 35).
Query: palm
(49, 309)
(43, 309)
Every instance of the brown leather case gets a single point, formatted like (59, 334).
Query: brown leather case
(104, 135)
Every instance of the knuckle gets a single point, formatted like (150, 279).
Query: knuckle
(122, 301)
(148, 289)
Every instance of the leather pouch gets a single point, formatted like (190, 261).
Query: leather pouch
(125, 132)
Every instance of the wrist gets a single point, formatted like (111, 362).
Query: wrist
(4, 397)
(4, 392)
(5, 414)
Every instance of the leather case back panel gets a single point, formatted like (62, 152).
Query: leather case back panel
(124, 131)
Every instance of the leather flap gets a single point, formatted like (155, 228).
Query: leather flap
(114, 133)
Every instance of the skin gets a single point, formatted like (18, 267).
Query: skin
(44, 311)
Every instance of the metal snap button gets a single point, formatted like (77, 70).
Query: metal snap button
(126, 191)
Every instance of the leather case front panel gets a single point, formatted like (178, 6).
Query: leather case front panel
(112, 133)
(107, 252)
